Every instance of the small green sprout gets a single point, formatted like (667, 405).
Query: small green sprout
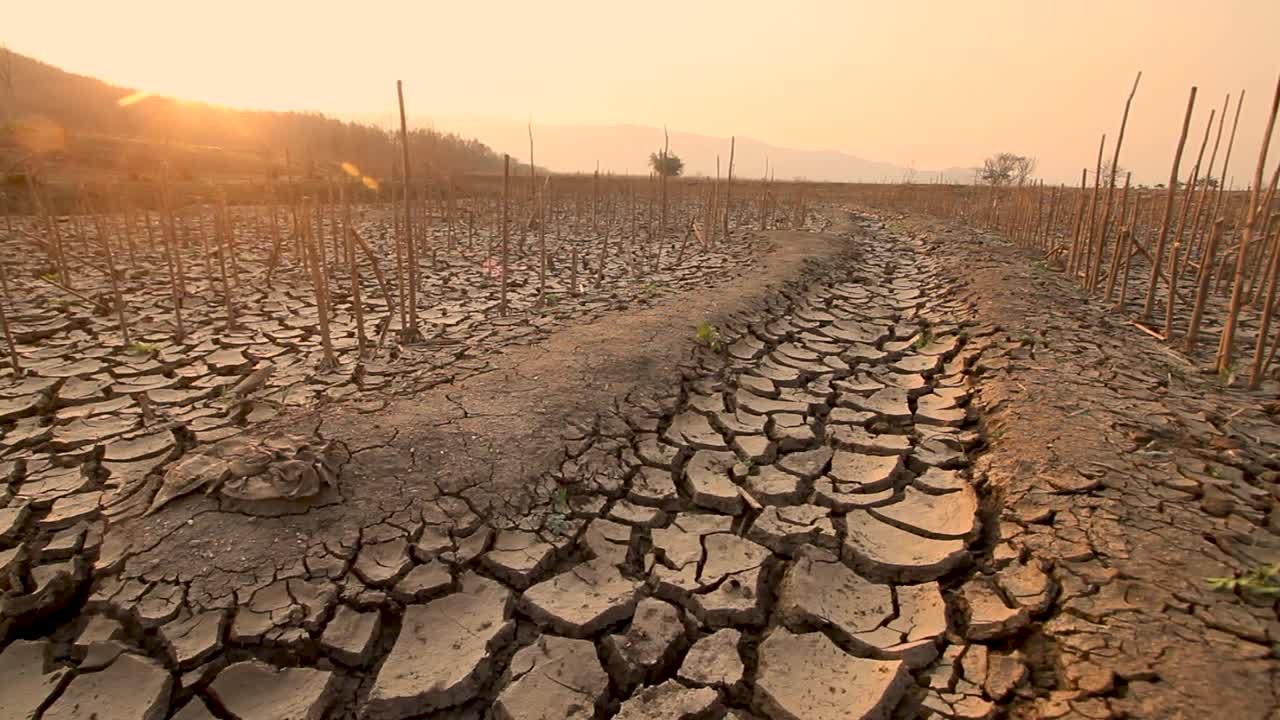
(708, 335)
(1262, 580)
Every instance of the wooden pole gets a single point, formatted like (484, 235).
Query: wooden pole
(1111, 184)
(1158, 255)
(312, 242)
(409, 333)
(14, 361)
(1086, 245)
(1246, 236)
(506, 182)
(728, 188)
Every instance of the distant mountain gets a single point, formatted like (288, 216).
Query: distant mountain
(625, 148)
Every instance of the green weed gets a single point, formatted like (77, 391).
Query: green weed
(1262, 580)
(708, 335)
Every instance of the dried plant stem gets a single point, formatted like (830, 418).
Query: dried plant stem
(1225, 346)
(14, 361)
(312, 243)
(357, 302)
(1111, 184)
(409, 331)
(506, 182)
(1163, 236)
(1082, 254)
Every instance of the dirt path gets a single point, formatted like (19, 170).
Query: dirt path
(900, 485)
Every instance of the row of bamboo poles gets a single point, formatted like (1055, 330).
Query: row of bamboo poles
(108, 236)
(1189, 242)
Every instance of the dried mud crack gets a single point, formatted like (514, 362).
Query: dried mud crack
(813, 518)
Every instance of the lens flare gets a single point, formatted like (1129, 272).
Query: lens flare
(350, 169)
(37, 134)
(369, 183)
(133, 99)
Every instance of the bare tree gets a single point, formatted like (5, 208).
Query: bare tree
(1106, 170)
(1007, 169)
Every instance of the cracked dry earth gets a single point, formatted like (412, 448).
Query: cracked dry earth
(877, 499)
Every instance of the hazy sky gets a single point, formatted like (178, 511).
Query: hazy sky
(934, 84)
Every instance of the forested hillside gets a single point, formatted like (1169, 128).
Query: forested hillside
(67, 123)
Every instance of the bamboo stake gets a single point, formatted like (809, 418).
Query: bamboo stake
(1158, 255)
(14, 361)
(1086, 244)
(1233, 309)
(408, 332)
(1198, 214)
(1175, 252)
(728, 188)
(221, 239)
(1129, 245)
(1111, 184)
(312, 243)
(357, 303)
(1264, 321)
(506, 182)
(1115, 256)
(177, 281)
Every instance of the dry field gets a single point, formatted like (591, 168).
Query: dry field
(611, 447)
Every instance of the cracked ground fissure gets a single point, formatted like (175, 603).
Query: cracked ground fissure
(608, 524)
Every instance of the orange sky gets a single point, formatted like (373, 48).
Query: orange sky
(934, 84)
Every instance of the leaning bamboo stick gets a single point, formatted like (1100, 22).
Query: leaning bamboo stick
(1176, 251)
(1264, 321)
(1111, 184)
(1225, 346)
